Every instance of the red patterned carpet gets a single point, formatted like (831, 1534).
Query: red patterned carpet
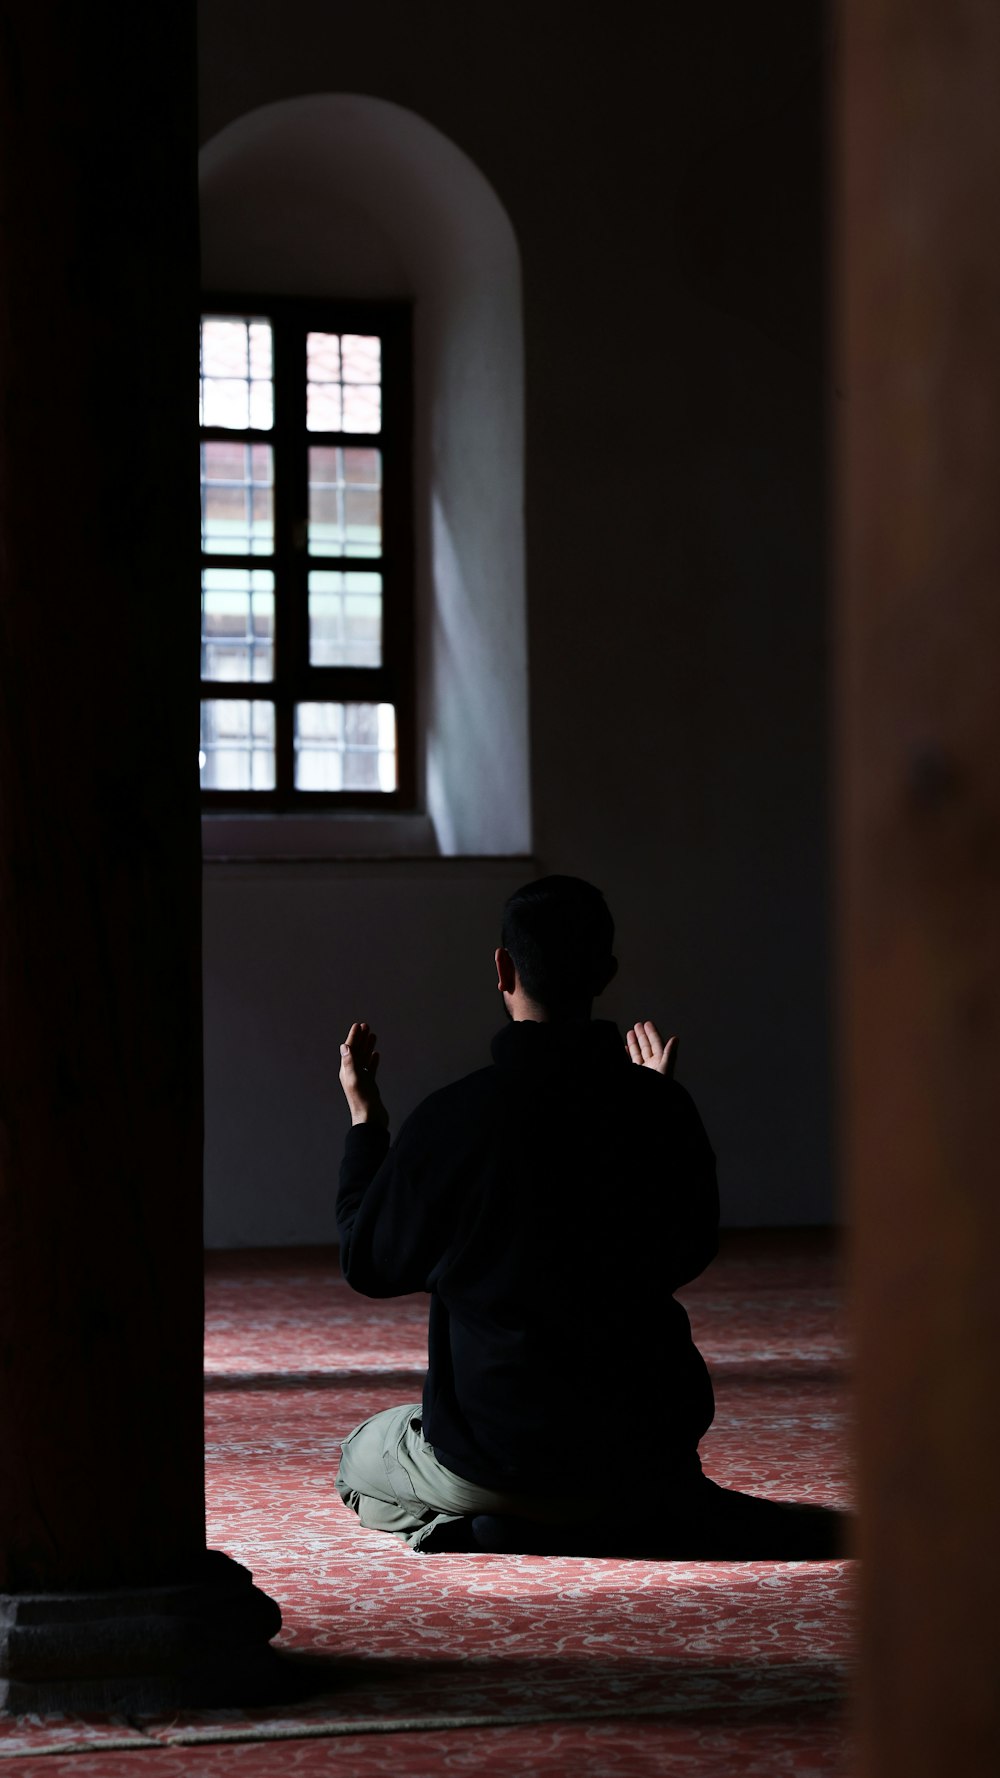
(506, 1664)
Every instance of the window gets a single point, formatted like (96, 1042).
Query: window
(306, 555)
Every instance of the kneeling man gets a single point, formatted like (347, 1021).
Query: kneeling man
(551, 1204)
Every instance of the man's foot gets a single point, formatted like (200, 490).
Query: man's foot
(454, 1537)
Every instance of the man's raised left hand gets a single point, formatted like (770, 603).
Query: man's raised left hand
(648, 1050)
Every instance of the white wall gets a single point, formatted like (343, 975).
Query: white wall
(295, 953)
(660, 175)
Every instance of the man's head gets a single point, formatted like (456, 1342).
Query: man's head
(555, 949)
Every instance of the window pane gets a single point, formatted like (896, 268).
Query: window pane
(343, 387)
(362, 358)
(237, 512)
(362, 408)
(324, 407)
(236, 372)
(237, 744)
(345, 619)
(237, 623)
(345, 747)
(345, 501)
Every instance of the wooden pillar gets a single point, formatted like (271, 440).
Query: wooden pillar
(918, 118)
(101, 1440)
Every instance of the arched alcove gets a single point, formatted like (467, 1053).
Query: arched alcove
(343, 195)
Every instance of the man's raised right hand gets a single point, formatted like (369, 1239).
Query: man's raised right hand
(648, 1050)
(359, 1060)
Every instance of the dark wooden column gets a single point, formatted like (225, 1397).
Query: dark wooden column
(919, 741)
(101, 1450)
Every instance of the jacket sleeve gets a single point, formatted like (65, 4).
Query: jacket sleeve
(389, 1240)
(695, 1213)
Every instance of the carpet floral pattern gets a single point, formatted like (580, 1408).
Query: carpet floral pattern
(506, 1663)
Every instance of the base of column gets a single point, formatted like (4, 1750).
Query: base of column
(203, 1642)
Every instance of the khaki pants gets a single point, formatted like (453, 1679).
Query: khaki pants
(391, 1478)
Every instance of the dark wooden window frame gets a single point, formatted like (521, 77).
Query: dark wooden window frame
(295, 680)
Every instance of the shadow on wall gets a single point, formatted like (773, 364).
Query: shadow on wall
(345, 196)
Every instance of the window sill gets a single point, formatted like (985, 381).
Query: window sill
(235, 838)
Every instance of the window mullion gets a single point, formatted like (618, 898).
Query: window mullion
(289, 432)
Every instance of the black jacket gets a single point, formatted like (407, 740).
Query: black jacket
(551, 1204)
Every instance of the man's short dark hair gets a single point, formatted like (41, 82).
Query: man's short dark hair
(560, 934)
